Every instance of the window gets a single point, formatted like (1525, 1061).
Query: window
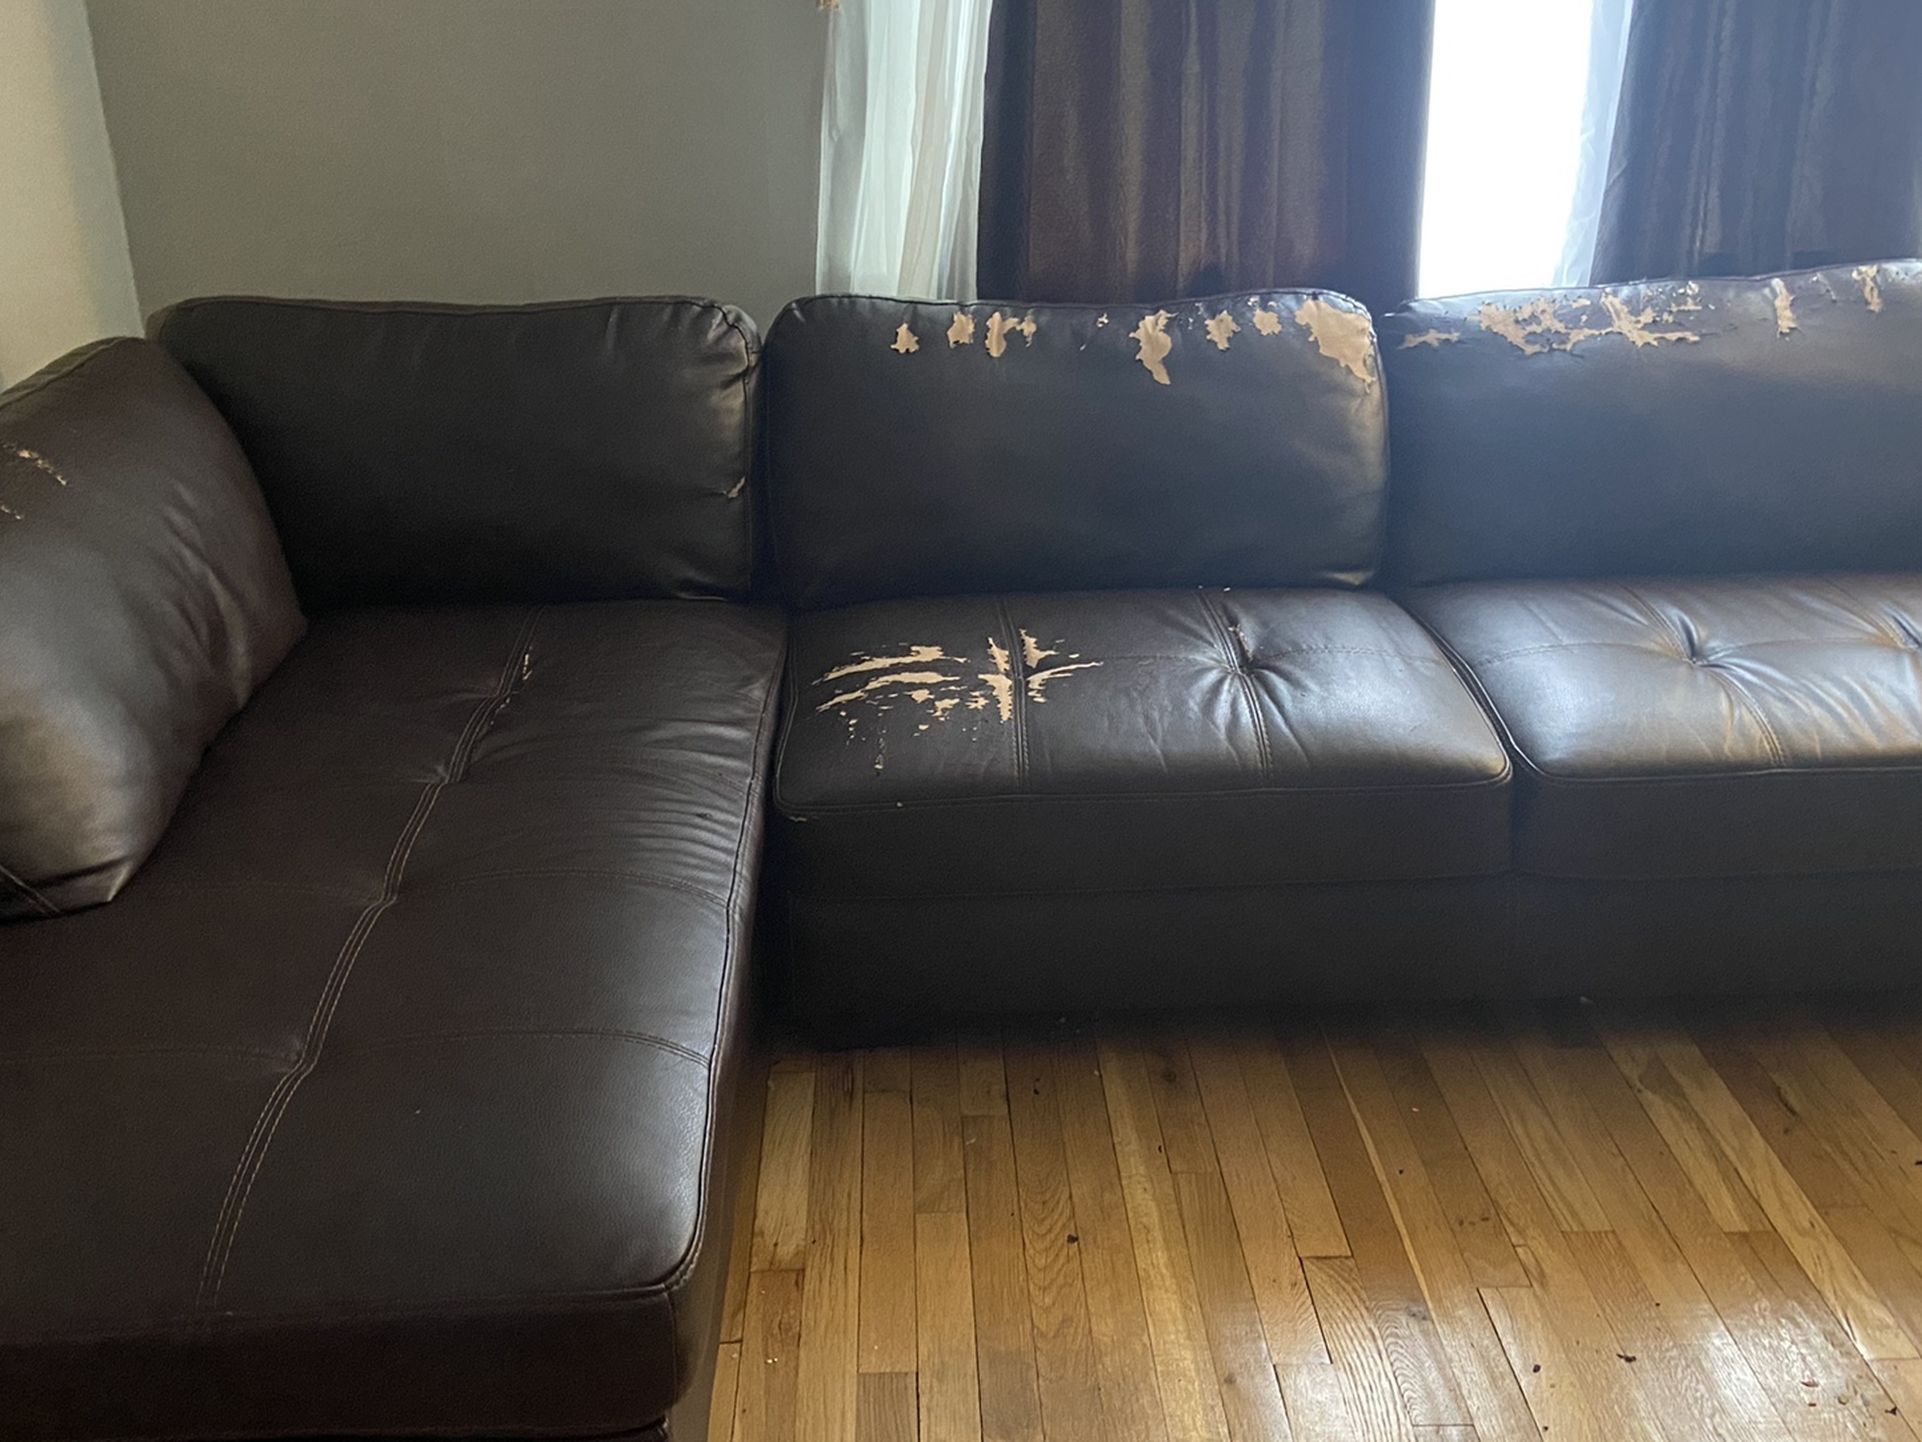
(1521, 114)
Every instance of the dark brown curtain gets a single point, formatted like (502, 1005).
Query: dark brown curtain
(1149, 149)
(1759, 135)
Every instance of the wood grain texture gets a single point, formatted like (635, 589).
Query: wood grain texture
(1453, 1225)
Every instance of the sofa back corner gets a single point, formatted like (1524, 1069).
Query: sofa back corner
(566, 451)
(920, 447)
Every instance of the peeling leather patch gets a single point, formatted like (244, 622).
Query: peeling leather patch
(1869, 277)
(1433, 339)
(1267, 322)
(937, 686)
(1344, 336)
(1155, 344)
(14, 451)
(1540, 325)
(1001, 326)
(1221, 328)
(906, 342)
(962, 331)
(1785, 323)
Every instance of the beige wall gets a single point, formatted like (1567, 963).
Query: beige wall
(466, 149)
(64, 278)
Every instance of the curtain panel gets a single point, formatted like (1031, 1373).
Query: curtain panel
(1761, 135)
(1144, 149)
(901, 147)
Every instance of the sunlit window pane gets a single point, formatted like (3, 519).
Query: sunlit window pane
(1504, 142)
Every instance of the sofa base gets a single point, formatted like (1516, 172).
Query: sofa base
(886, 968)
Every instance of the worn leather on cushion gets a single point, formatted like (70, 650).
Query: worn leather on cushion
(576, 451)
(1669, 428)
(389, 1098)
(1111, 740)
(1720, 726)
(920, 449)
(143, 597)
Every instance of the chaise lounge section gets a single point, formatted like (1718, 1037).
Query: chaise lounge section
(392, 1095)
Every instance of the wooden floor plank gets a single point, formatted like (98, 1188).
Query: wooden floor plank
(1577, 1320)
(1476, 1359)
(885, 1408)
(1374, 1397)
(830, 1318)
(887, 1233)
(983, 1080)
(1003, 1328)
(753, 1122)
(1317, 1406)
(949, 1392)
(1184, 1125)
(939, 1183)
(1298, 1172)
(1790, 1212)
(1064, 1354)
(1117, 1316)
(1382, 1266)
(1479, 1235)
(727, 1380)
(887, 1069)
(1261, 1219)
(780, 1229)
(1191, 1404)
(1702, 1223)
(1617, 1148)
(1244, 1370)
(1628, 1035)
(764, 1390)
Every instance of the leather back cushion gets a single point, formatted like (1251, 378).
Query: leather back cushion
(1670, 427)
(143, 597)
(566, 452)
(922, 448)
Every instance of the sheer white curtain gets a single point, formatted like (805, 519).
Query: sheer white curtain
(1521, 117)
(901, 147)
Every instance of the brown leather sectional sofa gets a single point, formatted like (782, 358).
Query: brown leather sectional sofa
(1559, 645)
(1128, 663)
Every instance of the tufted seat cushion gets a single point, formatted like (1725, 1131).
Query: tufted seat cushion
(389, 1097)
(1131, 739)
(1702, 727)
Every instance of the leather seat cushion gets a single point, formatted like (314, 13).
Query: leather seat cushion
(1152, 739)
(385, 1099)
(1707, 727)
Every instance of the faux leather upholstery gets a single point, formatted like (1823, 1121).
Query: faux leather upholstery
(143, 597)
(578, 451)
(922, 449)
(877, 970)
(1720, 726)
(1675, 428)
(390, 1097)
(1112, 740)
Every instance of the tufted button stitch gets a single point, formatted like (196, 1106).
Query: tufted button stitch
(1154, 749)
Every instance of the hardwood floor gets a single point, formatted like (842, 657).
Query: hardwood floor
(1573, 1222)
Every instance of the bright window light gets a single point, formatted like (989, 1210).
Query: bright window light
(1505, 116)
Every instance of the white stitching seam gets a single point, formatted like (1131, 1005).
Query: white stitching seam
(247, 1166)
